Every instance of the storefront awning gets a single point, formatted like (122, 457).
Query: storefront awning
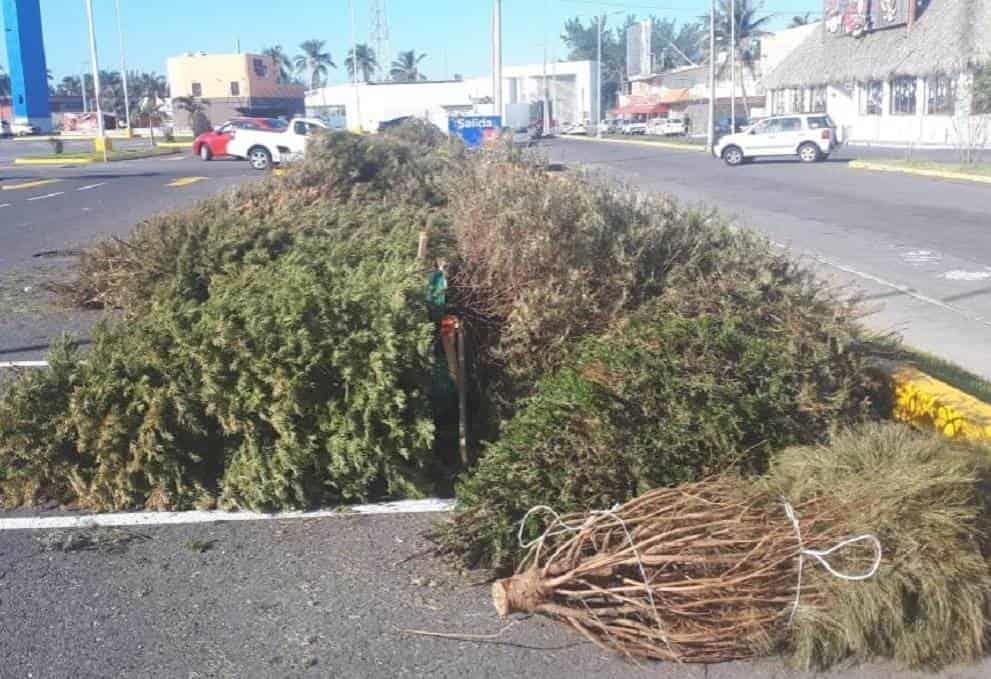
(640, 110)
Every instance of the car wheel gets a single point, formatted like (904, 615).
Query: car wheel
(733, 156)
(205, 153)
(259, 158)
(808, 153)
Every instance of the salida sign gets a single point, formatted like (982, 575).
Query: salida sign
(475, 131)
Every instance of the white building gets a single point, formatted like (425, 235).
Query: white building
(570, 89)
(893, 73)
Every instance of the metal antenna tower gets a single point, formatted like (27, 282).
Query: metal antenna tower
(378, 36)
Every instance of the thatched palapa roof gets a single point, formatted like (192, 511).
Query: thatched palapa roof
(948, 37)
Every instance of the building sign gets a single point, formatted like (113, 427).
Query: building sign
(847, 17)
(856, 17)
(475, 131)
(888, 13)
(638, 49)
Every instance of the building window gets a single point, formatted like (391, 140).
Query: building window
(797, 101)
(818, 104)
(778, 102)
(903, 96)
(259, 66)
(235, 89)
(197, 90)
(871, 98)
(941, 95)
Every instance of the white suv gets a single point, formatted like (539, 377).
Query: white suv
(810, 136)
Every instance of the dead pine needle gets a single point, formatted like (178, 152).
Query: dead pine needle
(459, 636)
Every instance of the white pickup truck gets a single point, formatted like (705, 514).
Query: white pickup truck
(262, 148)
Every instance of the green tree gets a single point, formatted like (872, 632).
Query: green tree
(283, 62)
(406, 68)
(675, 46)
(581, 39)
(800, 20)
(367, 62)
(315, 61)
(981, 91)
(749, 29)
(198, 119)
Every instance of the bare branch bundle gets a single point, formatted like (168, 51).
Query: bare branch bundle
(705, 572)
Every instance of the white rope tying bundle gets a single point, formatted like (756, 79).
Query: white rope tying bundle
(820, 556)
(565, 528)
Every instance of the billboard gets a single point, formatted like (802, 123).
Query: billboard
(475, 131)
(888, 13)
(638, 49)
(856, 17)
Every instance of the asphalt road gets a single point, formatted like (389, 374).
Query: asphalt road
(315, 598)
(919, 249)
(47, 213)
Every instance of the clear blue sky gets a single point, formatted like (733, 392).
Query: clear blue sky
(453, 33)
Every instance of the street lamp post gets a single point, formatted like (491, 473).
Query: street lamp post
(497, 57)
(732, 65)
(598, 77)
(123, 69)
(354, 68)
(711, 132)
(96, 78)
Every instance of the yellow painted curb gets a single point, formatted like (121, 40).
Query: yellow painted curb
(639, 142)
(52, 161)
(175, 144)
(927, 402)
(940, 174)
(186, 181)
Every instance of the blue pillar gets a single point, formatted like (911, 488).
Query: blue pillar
(26, 57)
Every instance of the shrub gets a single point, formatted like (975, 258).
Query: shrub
(291, 381)
(926, 498)
(712, 375)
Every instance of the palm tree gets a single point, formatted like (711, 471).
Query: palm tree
(407, 67)
(314, 60)
(367, 63)
(749, 27)
(801, 20)
(282, 62)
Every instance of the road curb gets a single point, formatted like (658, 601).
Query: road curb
(123, 519)
(175, 144)
(52, 161)
(932, 404)
(644, 142)
(939, 174)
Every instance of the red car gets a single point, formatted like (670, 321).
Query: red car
(213, 144)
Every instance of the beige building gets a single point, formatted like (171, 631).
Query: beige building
(230, 85)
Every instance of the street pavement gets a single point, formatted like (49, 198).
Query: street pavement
(48, 213)
(918, 249)
(311, 598)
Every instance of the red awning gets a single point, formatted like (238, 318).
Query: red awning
(641, 110)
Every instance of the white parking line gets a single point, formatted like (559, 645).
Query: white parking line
(23, 364)
(47, 195)
(176, 518)
(5, 205)
(91, 186)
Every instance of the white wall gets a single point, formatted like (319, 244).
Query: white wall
(571, 84)
(888, 129)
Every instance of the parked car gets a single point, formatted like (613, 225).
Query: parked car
(521, 136)
(668, 126)
(263, 148)
(611, 127)
(634, 127)
(723, 126)
(24, 130)
(213, 144)
(575, 128)
(811, 137)
(5, 129)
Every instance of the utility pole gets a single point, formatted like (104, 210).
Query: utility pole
(598, 81)
(354, 68)
(711, 132)
(96, 78)
(379, 35)
(497, 57)
(123, 69)
(732, 66)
